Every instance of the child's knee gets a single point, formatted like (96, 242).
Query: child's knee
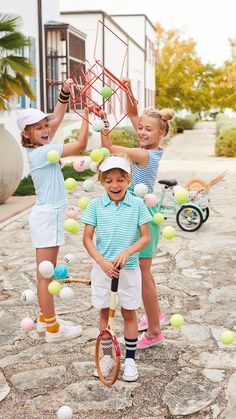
(128, 314)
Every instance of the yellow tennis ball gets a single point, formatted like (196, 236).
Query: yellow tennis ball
(70, 225)
(83, 202)
(168, 232)
(227, 337)
(54, 288)
(158, 218)
(53, 156)
(96, 155)
(181, 196)
(70, 183)
(176, 321)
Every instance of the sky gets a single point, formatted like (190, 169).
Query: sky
(209, 22)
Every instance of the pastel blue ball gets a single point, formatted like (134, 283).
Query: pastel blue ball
(61, 271)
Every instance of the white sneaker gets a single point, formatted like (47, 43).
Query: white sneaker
(106, 365)
(130, 371)
(41, 326)
(64, 333)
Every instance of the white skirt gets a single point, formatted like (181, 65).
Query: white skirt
(46, 224)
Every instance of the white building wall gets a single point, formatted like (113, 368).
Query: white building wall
(134, 25)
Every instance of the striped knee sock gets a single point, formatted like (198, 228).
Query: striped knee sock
(52, 324)
(41, 317)
(130, 345)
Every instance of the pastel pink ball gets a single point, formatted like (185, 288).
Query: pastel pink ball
(80, 165)
(150, 200)
(27, 324)
(72, 212)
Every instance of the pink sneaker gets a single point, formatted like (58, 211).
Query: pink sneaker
(143, 324)
(145, 342)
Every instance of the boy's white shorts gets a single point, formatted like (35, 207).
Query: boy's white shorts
(129, 288)
(46, 224)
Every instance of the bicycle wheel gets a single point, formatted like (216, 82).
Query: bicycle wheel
(189, 218)
(206, 214)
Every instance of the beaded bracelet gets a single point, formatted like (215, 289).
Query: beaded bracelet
(106, 124)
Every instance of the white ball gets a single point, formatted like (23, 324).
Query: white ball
(46, 269)
(88, 185)
(93, 166)
(141, 190)
(177, 188)
(70, 259)
(65, 412)
(66, 293)
(27, 296)
(98, 125)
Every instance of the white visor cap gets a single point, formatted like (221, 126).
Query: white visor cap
(115, 162)
(32, 116)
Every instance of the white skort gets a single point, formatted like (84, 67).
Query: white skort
(46, 224)
(129, 288)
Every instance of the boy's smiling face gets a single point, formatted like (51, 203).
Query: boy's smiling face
(116, 184)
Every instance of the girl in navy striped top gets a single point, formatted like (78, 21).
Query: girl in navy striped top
(151, 127)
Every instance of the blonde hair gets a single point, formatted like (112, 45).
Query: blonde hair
(128, 176)
(163, 116)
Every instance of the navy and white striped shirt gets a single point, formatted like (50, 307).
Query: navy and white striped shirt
(117, 226)
(147, 174)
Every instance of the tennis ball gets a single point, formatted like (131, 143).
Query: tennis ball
(70, 259)
(158, 218)
(65, 412)
(54, 288)
(96, 155)
(98, 125)
(27, 296)
(150, 200)
(66, 293)
(27, 324)
(46, 268)
(141, 190)
(181, 196)
(88, 185)
(53, 156)
(106, 92)
(83, 202)
(227, 337)
(61, 271)
(70, 225)
(70, 183)
(176, 321)
(168, 232)
(105, 151)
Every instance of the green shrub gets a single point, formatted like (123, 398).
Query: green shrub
(125, 137)
(223, 124)
(72, 138)
(220, 116)
(26, 186)
(179, 125)
(226, 143)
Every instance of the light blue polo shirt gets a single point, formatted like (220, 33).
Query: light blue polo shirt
(117, 226)
(47, 177)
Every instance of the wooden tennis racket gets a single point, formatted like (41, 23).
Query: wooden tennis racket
(107, 352)
(80, 280)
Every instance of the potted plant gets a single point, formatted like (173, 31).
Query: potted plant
(13, 70)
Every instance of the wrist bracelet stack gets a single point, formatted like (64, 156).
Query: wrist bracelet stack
(63, 97)
(106, 124)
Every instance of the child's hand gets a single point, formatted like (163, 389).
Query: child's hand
(109, 269)
(121, 259)
(67, 85)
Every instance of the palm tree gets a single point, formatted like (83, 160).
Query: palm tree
(13, 67)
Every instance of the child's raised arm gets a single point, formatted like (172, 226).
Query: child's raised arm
(131, 106)
(82, 139)
(61, 106)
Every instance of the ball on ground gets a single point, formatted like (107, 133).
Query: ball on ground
(141, 190)
(83, 202)
(65, 412)
(70, 183)
(168, 232)
(27, 324)
(227, 337)
(70, 259)
(88, 185)
(27, 296)
(176, 321)
(61, 271)
(46, 268)
(106, 92)
(158, 218)
(66, 293)
(53, 156)
(181, 196)
(96, 155)
(54, 288)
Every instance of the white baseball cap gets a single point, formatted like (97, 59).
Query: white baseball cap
(32, 116)
(115, 162)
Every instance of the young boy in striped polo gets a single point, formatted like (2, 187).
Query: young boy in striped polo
(121, 223)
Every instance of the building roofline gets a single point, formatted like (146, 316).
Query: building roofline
(83, 12)
(56, 25)
(136, 14)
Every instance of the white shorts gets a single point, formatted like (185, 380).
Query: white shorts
(46, 224)
(129, 288)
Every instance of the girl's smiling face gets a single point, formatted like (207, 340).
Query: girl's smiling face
(116, 184)
(38, 133)
(148, 132)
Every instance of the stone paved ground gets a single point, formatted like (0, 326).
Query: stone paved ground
(191, 375)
